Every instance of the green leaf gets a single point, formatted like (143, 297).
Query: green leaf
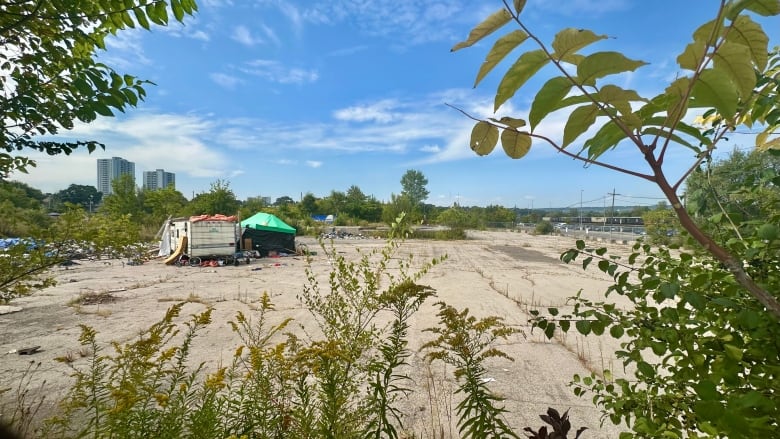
(579, 121)
(500, 49)
(545, 101)
(665, 134)
(491, 24)
(734, 59)
(608, 136)
(616, 331)
(570, 40)
(748, 33)
(733, 352)
(516, 145)
(526, 66)
(586, 262)
(161, 12)
(713, 89)
(645, 368)
(706, 390)
(484, 137)
(676, 99)
(601, 64)
(178, 11)
(549, 331)
(583, 326)
(683, 128)
(692, 56)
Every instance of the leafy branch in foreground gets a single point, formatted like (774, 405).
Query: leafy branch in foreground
(703, 354)
(50, 76)
(726, 68)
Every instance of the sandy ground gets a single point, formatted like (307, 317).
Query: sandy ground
(492, 273)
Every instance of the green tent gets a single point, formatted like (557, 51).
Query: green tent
(267, 222)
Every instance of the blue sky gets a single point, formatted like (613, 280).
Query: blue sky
(284, 97)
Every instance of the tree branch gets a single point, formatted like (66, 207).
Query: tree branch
(559, 148)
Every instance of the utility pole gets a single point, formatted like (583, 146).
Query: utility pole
(612, 211)
(581, 191)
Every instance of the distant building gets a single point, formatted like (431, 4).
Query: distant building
(110, 169)
(159, 179)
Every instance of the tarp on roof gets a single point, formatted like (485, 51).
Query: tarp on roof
(267, 222)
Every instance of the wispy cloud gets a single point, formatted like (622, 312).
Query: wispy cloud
(313, 163)
(377, 112)
(275, 71)
(244, 36)
(348, 51)
(225, 80)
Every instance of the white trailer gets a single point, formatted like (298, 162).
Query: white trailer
(207, 237)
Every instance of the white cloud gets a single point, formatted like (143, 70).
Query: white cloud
(275, 71)
(225, 80)
(244, 36)
(176, 143)
(313, 163)
(430, 148)
(380, 112)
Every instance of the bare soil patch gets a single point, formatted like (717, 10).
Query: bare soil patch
(492, 273)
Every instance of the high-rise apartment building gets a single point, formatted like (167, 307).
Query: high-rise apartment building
(159, 179)
(109, 169)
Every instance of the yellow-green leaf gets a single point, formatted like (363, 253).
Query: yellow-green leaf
(579, 121)
(767, 8)
(484, 137)
(714, 89)
(500, 49)
(749, 33)
(692, 56)
(512, 122)
(618, 97)
(676, 96)
(487, 27)
(707, 33)
(569, 41)
(519, 5)
(161, 12)
(601, 64)
(665, 134)
(526, 66)
(515, 144)
(764, 143)
(545, 101)
(734, 59)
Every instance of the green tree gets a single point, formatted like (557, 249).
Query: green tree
(126, 199)
(51, 77)
(660, 225)
(736, 186)
(163, 202)
(220, 199)
(309, 204)
(84, 195)
(413, 186)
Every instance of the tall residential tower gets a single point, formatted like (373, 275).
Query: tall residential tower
(159, 179)
(110, 169)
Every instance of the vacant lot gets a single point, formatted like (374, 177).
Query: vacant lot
(492, 273)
